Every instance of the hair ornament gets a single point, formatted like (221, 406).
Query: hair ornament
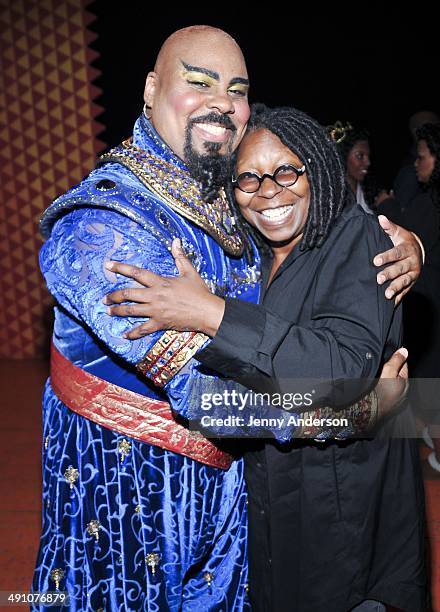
(338, 132)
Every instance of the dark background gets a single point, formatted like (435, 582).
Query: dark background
(369, 69)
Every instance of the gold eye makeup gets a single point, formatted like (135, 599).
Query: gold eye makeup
(198, 78)
(240, 90)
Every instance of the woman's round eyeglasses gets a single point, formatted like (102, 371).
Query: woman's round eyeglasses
(284, 176)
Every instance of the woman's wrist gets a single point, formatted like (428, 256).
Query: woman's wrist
(212, 315)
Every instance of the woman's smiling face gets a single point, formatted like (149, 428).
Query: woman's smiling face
(279, 213)
(358, 161)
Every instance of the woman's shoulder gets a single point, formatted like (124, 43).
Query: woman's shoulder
(352, 210)
(354, 223)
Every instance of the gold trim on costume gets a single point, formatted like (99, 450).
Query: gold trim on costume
(169, 354)
(362, 415)
(181, 193)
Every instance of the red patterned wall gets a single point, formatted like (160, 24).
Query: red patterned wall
(48, 142)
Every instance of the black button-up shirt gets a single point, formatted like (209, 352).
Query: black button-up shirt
(336, 524)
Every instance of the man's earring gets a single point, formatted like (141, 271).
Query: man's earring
(147, 111)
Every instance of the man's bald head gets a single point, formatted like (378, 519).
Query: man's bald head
(181, 40)
(197, 97)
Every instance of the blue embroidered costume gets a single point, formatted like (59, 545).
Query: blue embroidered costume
(130, 524)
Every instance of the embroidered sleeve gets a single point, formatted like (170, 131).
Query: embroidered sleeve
(73, 263)
(169, 354)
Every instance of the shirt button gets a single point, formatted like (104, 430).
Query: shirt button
(262, 511)
(368, 356)
(259, 465)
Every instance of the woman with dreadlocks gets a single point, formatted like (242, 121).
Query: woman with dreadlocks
(338, 525)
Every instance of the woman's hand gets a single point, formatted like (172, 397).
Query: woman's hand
(181, 303)
(392, 387)
(406, 259)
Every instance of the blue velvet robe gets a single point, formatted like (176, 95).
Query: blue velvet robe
(154, 501)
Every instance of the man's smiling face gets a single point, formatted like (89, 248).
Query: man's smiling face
(198, 94)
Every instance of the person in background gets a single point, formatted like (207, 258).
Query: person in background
(406, 185)
(354, 148)
(422, 309)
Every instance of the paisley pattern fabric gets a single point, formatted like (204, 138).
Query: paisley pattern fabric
(126, 525)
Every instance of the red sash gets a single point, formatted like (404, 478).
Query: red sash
(129, 413)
